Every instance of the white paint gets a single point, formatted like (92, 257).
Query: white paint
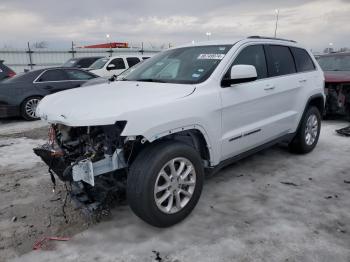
(274, 105)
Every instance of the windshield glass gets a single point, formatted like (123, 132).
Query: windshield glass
(98, 64)
(70, 63)
(187, 65)
(335, 63)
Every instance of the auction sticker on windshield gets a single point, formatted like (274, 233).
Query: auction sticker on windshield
(211, 56)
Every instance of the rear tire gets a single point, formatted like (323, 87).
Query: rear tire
(164, 183)
(28, 108)
(308, 132)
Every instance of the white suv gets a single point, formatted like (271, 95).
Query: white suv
(185, 111)
(115, 65)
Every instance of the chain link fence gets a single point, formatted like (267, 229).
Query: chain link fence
(30, 58)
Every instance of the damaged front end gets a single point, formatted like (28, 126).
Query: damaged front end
(337, 99)
(92, 159)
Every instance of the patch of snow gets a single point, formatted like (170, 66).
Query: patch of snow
(17, 153)
(245, 214)
(15, 127)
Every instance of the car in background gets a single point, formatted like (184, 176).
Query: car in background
(81, 62)
(106, 79)
(20, 95)
(336, 67)
(5, 71)
(115, 65)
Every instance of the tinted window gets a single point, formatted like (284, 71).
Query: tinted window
(86, 62)
(70, 63)
(118, 62)
(78, 75)
(53, 75)
(280, 60)
(302, 60)
(132, 61)
(252, 55)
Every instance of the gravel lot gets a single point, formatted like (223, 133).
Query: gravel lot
(273, 206)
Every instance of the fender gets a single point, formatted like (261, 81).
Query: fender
(212, 150)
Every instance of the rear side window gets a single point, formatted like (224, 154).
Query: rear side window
(118, 62)
(132, 61)
(303, 60)
(86, 62)
(53, 75)
(252, 55)
(78, 75)
(280, 60)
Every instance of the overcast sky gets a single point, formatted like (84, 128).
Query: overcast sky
(316, 23)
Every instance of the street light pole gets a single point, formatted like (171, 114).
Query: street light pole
(208, 34)
(276, 25)
(110, 45)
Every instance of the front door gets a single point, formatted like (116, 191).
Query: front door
(249, 110)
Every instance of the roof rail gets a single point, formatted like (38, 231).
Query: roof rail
(270, 38)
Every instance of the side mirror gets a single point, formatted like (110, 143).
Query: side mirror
(111, 67)
(240, 74)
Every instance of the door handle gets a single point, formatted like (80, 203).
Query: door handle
(303, 81)
(48, 87)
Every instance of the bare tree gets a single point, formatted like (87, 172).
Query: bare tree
(40, 45)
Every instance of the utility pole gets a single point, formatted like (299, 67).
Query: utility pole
(277, 16)
(30, 52)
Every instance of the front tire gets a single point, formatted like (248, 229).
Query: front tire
(164, 183)
(28, 108)
(308, 133)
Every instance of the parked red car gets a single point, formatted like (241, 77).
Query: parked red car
(336, 67)
(5, 71)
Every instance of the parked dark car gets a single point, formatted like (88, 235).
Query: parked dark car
(81, 62)
(336, 69)
(20, 95)
(5, 71)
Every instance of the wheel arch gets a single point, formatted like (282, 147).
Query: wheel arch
(318, 101)
(193, 136)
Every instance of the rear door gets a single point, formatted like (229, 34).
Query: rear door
(53, 80)
(308, 78)
(285, 86)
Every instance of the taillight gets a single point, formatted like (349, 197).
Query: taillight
(11, 74)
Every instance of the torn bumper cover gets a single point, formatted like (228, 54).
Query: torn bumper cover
(82, 170)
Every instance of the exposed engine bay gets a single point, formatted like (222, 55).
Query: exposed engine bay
(93, 160)
(338, 99)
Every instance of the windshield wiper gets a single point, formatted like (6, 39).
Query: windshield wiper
(150, 80)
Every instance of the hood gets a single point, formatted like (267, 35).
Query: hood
(105, 104)
(337, 76)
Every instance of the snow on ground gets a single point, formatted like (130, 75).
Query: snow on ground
(12, 127)
(17, 153)
(273, 206)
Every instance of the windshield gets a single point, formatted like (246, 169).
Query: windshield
(335, 63)
(187, 65)
(98, 64)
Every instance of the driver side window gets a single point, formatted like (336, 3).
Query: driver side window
(252, 55)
